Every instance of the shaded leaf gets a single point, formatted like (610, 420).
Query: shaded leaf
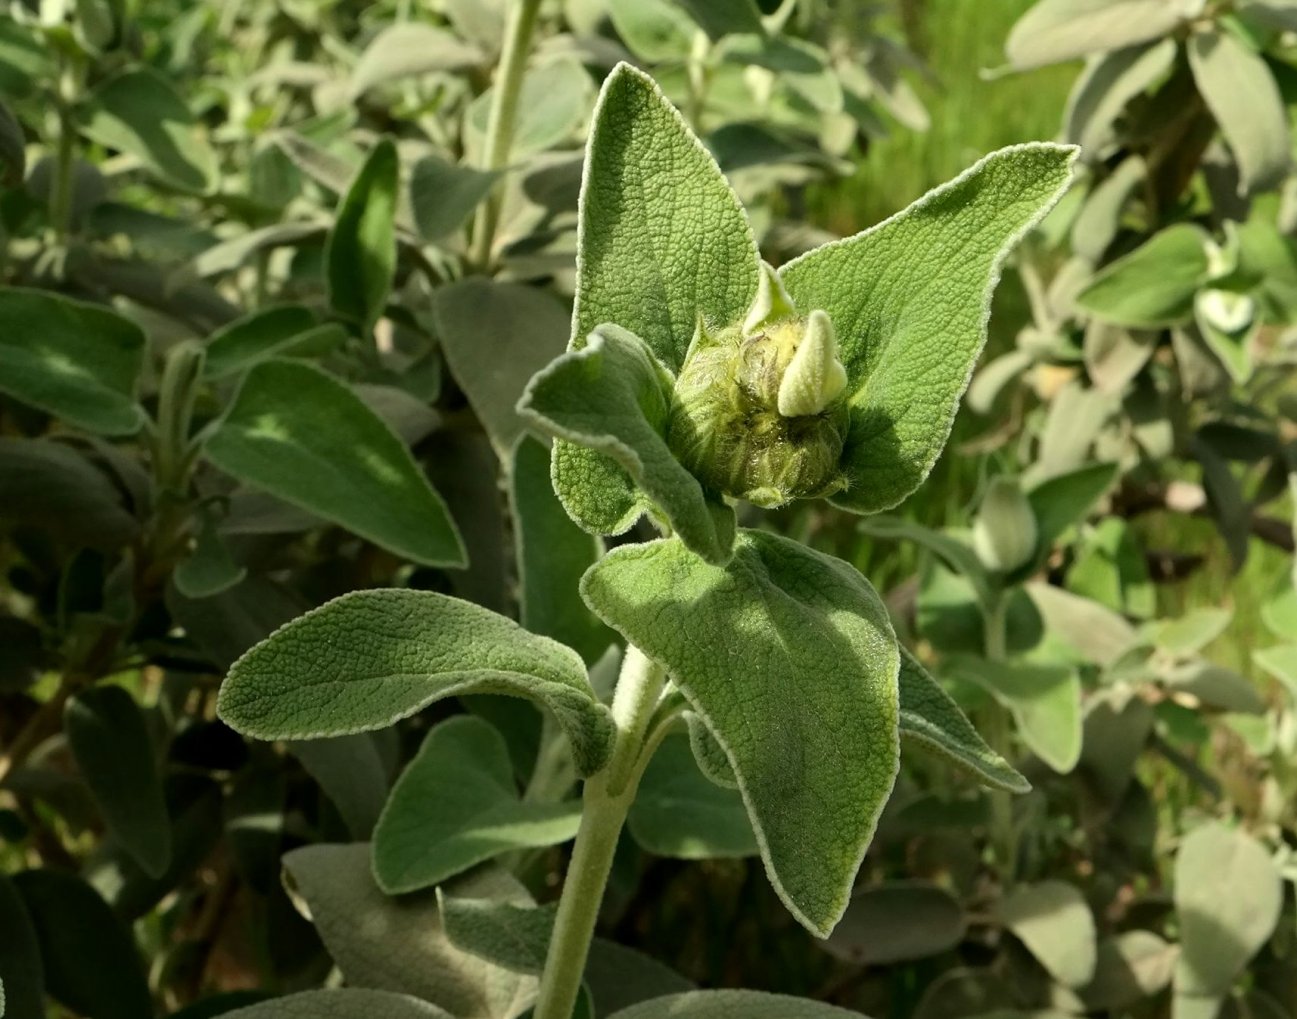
(1154, 285)
(1054, 921)
(360, 251)
(1108, 83)
(1045, 701)
(1056, 30)
(351, 772)
(897, 922)
(732, 1005)
(442, 195)
(20, 957)
(288, 330)
(340, 1003)
(52, 486)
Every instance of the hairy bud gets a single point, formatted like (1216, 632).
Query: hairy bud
(1005, 532)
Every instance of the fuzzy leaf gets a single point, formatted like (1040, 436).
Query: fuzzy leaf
(77, 361)
(898, 922)
(455, 806)
(662, 240)
(303, 436)
(789, 657)
(1154, 285)
(1054, 921)
(909, 300)
(288, 330)
(1105, 87)
(370, 658)
(1045, 701)
(1066, 499)
(1056, 30)
(340, 1003)
(408, 49)
(52, 486)
(360, 251)
(442, 194)
(732, 1005)
(613, 396)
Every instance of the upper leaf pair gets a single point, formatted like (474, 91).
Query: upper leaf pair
(838, 376)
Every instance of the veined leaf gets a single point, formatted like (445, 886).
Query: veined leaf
(303, 436)
(789, 657)
(360, 252)
(370, 658)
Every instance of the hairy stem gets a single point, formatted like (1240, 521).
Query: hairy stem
(501, 122)
(607, 799)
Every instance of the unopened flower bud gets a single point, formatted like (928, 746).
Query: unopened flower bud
(1005, 532)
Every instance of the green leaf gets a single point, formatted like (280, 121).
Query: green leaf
(654, 30)
(1130, 967)
(719, 18)
(662, 241)
(909, 301)
(1114, 355)
(931, 718)
(209, 569)
(89, 958)
(1106, 86)
(1097, 633)
(613, 396)
(732, 1005)
(303, 436)
(352, 774)
(80, 362)
(140, 113)
(411, 48)
(288, 330)
(1242, 94)
(455, 806)
(340, 1003)
(898, 922)
(360, 252)
(1154, 285)
(414, 955)
(495, 337)
(1228, 896)
(442, 194)
(1066, 499)
(1045, 701)
(370, 658)
(1225, 499)
(680, 813)
(1056, 30)
(52, 486)
(110, 741)
(552, 554)
(20, 957)
(1191, 632)
(1280, 662)
(953, 552)
(553, 103)
(234, 252)
(13, 154)
(1099, 221)
(1054, 921)
(789, 657)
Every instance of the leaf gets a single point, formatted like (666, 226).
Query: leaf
(13, 157)
(654, 30)
(1067, 499)
(50, 485)
(340, 1003)
(1098, 223)
(909, 301)
(288, 330)
(1130, 967)
(140, 113)
(413, 956)
(1154, 285)
(110, 741)
(1056, 30)
(495, 337)
(790, 659)
(1107, 85)
(455, 806)
(408, 49)
(953, 552)
(232, 253)
(1228, 897)
(20, 957)
(1191, 632)
(209, 569)
(680, 813)
(900, 921)
(732, 1005)
(1097, 633)
(351, 772)
(370, 658)
(719, 18)
(553, 553)
(1225, 500)
(553, 102)
(1075, 418)
(1114, 356)
(930, 717)
(303, 436)
(1214, 685)
(662, 241)
(1280, 662)
(1054, 921)
(442, 195)
(360, 251)
(513, 936)
(73, 926)
(1243, 96)
(80, 362)
(613, 396)
(1045, 701)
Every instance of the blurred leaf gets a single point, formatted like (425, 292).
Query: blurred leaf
(1104, 89)
(306, 438)
(455, 806)
(13, 152)
(680, 813)
(20, 958)
(1054, 921)
(360, 251)
(1099, 634)
(1067, 499)
(1114, 355)
(235, 251)
(375, 672)
(953, 552)
(1154, 285)
(209, 569)
(351, 773)
(77, 361)
(1074, 420)
(340, 1003)
(1242, 95)
(553, 553)
(1228, 897)
(50, 485)
(1114, 737)
(287, 330)
(1225, 500)
(1056, 30)
(411, 48)
(897, 922)
(1189, 633)
(732, 1005)
(495, 337)
(225, 625)
(442, 194)
(110, 741)
(75, 927)
(1100, 220)
(1214, 685)
(1280, 662)
(1045, 701)
(553, 102)
(719, 18)
(654, 30)
(1131, 967)
(139, 112)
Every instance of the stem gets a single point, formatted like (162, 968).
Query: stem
(501, 122)
(607, 799)
(61, 186)
(176, 394)
(998, 736)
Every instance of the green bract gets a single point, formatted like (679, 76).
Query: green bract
(838, 376)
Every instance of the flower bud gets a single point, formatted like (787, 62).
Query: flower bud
(1005, 533)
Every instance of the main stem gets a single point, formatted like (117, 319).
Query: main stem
(606, 801)
(501, 122)
(995, 627)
